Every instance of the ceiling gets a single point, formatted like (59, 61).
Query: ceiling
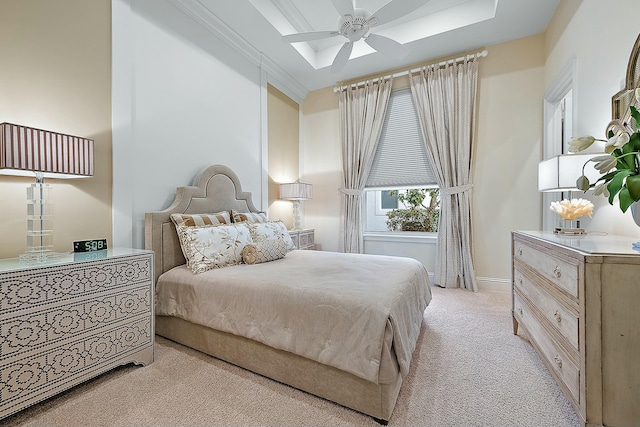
(434, 29)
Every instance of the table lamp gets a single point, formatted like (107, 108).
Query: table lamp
(26, 151)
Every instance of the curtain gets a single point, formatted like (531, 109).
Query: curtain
(445, 97)
(362, 112)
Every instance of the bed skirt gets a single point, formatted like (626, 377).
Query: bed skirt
(375, 400)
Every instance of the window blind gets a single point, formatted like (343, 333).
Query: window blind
(401, 156)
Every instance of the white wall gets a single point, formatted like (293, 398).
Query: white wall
(182, 100)
(600, 35)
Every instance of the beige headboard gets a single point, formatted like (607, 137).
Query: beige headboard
(218, 189)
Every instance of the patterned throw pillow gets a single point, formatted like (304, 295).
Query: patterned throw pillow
(201, 219)
(210, 247)
(271, 230)
(252, 217)
(267, 250)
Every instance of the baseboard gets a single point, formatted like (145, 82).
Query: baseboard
(486, 284)
(493, 284)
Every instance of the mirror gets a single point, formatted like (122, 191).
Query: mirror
(622, 100)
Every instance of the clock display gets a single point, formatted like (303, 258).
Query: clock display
(90, 245)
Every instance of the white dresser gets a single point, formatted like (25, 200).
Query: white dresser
(303, 239)
(68, 320)
(578, 300)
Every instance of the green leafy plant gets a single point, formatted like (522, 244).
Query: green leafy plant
(620, 168)
(417, 216)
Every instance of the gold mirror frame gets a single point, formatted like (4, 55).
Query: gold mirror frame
(621, 101)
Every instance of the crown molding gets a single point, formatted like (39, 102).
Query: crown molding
(195, 10)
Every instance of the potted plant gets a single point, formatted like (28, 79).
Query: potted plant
(415, 216)
(620, 167)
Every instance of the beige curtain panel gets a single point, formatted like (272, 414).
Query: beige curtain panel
(445, 97)
(362, 113)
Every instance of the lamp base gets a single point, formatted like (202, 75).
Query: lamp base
(570, 231)
(36, 257)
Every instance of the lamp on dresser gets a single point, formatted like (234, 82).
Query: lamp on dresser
(296, 191)
(26, 151)
(560, 173)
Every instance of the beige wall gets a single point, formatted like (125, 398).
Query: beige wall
(283, 165)
(55, 75)
(580, 30)
(507, 153)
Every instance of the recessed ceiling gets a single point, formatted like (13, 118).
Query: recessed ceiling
(436, 28)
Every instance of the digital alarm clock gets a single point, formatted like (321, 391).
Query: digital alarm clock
(90, 245)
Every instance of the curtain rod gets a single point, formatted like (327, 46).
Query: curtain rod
(482, 54)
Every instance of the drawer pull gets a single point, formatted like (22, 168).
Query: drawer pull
(520, 311)
(557, 272)
(520, 281)
(558, 361)
(520, 251)
(558, 316)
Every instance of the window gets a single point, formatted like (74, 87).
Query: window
(401, 173)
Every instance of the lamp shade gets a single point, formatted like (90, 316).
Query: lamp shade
(560, 173)
(296, 191)
(25, 151)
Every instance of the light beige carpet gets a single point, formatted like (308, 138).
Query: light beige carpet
(468, 370)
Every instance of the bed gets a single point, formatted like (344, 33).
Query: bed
(340, 326)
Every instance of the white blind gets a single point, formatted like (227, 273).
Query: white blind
(401, 157)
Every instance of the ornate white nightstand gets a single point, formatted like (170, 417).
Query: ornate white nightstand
(303, 239)
(66, 321)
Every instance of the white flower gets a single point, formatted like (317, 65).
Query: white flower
(604, 163)
(601, 189)
(572, 209)
(616, 141)
(580, 143)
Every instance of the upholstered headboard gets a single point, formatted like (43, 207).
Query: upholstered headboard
(218, 189)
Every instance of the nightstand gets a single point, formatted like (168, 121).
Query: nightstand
(71, 319)
(303, 239)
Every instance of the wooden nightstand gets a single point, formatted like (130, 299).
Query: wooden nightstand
(303, 239)
(68, 320)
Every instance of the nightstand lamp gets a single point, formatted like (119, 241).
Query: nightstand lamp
(27, 151)
(296, 191)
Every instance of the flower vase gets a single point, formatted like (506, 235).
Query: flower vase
(635, 212)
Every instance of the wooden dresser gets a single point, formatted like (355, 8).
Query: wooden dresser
(578, 300)
(68, 320)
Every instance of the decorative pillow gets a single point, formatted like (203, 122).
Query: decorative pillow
(201, 219)
(210, 247)
(271, 230)
(267, 250)
(252, 217)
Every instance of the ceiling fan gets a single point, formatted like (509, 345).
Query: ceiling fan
(355, 24)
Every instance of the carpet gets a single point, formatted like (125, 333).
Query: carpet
(468, 370)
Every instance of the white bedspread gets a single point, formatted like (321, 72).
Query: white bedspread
(329, 307)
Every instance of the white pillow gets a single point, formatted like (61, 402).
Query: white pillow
(271, 230)
(210, 247)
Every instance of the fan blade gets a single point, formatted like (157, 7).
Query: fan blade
(344, 7)
(387, 46)
(342, 57)
(393, 10)
(305, 37)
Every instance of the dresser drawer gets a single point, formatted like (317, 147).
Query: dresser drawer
(564, 320)
(306, 240)
(557, 359)
(558, 271)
